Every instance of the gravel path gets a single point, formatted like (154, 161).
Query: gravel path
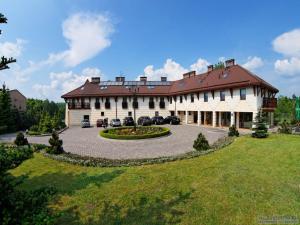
(86, 141)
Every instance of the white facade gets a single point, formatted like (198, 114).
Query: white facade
(212, 112)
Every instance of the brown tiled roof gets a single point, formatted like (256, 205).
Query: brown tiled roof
(234, 76)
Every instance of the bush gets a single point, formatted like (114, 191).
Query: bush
(55, 144)
(38, 147)
(34, 128)
(21, 140)
(233, 131)
(284, 128)
(201, 144)
(149, 132)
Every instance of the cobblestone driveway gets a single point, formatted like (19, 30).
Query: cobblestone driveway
(86, 141)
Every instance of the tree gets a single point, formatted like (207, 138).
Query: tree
(5, 61)
(219, 65)
(285, 110)
(55, 144)
(6, 116)
(260, 129)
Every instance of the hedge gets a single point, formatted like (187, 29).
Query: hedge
(104, 162)
(105, 133)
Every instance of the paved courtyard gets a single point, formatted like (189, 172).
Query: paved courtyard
(86, 141)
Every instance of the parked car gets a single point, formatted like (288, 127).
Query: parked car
(115, 123)
(85, 123)
(157, 120)
(128, 121)
(100, 123)
(172, 120)
(144, 121)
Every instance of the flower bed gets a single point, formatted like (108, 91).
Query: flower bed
(128, 133)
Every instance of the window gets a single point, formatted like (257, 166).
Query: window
(205, 97)
(222, 95)
(156, 113)
(129, 113)
(190, 113)
(107, 103)
(97, 104)
(151, 103)
(135, 103)
(171, 99)
(124, 103)
(102, 113)
(180, 99)
(243, 93)
(86, 117)
(192, 97)
(162, 103)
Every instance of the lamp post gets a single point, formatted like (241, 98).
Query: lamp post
(134, 89)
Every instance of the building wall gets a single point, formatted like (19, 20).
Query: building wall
(18, 101)
(231, 104)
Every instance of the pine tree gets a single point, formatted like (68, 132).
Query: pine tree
(6, 116)
(55, 144)
(201, 144)
(260, 129)
(5, 61)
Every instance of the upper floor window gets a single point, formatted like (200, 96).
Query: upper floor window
(243, 93)
(205, 97)
(171, 100)
(192, 97)
(222, 95)
(97, 103)
(180, 99)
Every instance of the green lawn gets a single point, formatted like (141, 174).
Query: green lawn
(236, 185)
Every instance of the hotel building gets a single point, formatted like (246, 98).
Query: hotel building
(218, 98)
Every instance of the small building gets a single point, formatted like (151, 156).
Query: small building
(219, 98)
(18, 100)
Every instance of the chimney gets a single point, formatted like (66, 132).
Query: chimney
(144, 78)
(189, 74)
(96, 80)
(163, 79)
(229, 63)
(210, 68)
(120, 79)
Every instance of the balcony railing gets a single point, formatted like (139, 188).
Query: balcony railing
(269, 102)
(79, 105)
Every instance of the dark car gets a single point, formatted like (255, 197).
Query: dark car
(157, 120)
(100, 123)
(128, 121)
(172, 120)
(144, 121)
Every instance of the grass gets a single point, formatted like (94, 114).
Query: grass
(237, 185)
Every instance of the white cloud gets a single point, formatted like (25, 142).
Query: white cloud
(200, 66)
(173, 70)
(288, 43)
(288, 67)
(253, 63)
(87, 34)
(61, 83)
(10, 49)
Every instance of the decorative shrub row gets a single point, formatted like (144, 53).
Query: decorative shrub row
(103, 162)
(162, 131)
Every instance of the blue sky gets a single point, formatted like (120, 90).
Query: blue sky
(60, 43)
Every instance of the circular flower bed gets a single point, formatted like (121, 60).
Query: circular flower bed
(128, 133)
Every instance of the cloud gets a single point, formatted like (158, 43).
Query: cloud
(64, 82)
(253, 63)
(289, 67)
(288, 43)
(173, 70)
(87, 34)
(10, 49)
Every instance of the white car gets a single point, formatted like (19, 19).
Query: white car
(115, 123)
(85, 123)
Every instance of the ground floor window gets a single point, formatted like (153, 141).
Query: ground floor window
(86, 117)
(172, 113)
(156, 113)
(245, 120)
(129, 113)
(102, 113)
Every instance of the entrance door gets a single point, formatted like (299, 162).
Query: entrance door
(195, 117)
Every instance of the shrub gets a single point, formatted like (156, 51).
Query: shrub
(284, 128)
(38, 147)
(55, 144)
(260, 129)
(34, 128)
(233, 131)
(201, 144)
(20, 139)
